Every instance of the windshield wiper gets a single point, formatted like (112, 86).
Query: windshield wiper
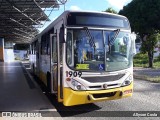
(111, 41)
(91, 39)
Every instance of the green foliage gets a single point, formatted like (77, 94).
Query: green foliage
(111, 10)
(123, 49)
(141, 60)
(140, 56)
(150, 43)
(156, 64)
(158, 58)
(145, 21)
(143, 15)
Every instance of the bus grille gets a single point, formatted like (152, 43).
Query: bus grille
(103, 78)
(102, 95)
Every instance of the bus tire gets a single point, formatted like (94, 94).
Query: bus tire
(48, 81)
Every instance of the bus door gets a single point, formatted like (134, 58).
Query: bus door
(53, 69)
(56, 65)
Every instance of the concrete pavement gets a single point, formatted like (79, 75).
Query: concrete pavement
(18, 92)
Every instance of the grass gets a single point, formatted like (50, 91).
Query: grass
(141, 60)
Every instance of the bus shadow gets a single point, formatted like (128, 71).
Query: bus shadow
(77, 110)
(68, 111)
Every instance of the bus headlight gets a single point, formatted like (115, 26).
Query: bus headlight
(127, 81)
(76, 85)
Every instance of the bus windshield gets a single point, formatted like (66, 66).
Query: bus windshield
(82, 55)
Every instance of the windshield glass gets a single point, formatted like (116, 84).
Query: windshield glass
(119, 51)
(82, 55)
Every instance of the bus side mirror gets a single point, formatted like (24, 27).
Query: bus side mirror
(61, 35)
(133, 38)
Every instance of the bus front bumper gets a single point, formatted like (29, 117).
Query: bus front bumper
(72, 97)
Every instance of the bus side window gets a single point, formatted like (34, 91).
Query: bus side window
(54, 50)
(44, 44)
(32, 49)
(48, 44)
(69, 48)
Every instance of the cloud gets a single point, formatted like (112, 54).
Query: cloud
(118, 4)
(74, 8)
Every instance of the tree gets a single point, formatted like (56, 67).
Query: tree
(148, 46)
(111, 10)
(145, 21)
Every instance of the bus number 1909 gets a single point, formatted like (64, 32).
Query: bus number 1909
(73, 73)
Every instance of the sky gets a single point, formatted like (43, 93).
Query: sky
(91, 5)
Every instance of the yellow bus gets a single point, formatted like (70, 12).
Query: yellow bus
(85, 57)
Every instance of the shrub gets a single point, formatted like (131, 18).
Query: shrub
(140, 59)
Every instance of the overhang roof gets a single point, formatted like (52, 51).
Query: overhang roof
(19, 19)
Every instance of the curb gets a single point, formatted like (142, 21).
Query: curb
(148, 78)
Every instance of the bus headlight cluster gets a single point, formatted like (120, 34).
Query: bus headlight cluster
(76, 85)
(127, 81)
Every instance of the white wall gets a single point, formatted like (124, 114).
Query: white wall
(8, 55)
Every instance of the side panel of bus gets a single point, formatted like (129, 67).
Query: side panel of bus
(44, 58)
(33, 56)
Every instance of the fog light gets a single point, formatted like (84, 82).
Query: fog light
(127, 81)
(78, 87)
